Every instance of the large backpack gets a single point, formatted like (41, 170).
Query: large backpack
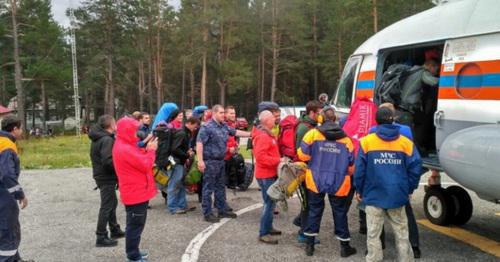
(286, 138)
(165, 135)
(391, 86)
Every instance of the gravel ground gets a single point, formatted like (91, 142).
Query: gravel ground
(59, 225)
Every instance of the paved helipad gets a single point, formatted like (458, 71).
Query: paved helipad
(59, 225)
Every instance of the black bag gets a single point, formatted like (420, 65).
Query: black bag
(389, 90)
(238, 173)
(165, 137)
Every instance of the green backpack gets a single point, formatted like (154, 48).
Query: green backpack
(193, 176)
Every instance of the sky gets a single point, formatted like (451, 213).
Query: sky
(59, 9)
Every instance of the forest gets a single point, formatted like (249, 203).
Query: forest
(137, 54)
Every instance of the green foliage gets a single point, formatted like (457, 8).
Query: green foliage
(315, 39)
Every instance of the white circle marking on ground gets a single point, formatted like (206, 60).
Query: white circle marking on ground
(193, 250)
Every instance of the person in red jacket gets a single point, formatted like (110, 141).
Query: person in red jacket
(267, 159)
(133, 168)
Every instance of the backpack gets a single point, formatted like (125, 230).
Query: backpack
(359, 121)
(286, 137)
(238, 173)
(165, 135)
(389, 90)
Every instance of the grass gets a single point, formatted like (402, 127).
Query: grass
(64, 152)
(55, 153)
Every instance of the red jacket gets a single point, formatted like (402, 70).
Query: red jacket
(266, 153)
(231, 141)
(133, 165)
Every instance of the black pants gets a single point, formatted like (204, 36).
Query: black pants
(107, 212)
(136, 220)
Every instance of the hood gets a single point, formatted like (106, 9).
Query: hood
(126, 129)
(332, 131)
(164, 113)
(289, 121)
(8, 135)
(308, 120)
(96, 132)
(387, 132)
(198, 110)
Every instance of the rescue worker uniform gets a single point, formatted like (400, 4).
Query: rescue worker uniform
(388, 169)
(214, 136)
(330, 157)
(10, 193)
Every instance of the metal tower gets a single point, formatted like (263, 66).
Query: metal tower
(76, 95)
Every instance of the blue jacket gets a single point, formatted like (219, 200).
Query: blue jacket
(329, 154)
(10, 167)
(388, 168)
(404, 130)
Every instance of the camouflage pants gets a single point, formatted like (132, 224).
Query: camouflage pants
(375, 221)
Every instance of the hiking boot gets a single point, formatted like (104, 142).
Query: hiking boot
(416, 252)
(228, 214)
(346, 250)
(116, 232)
(275, 232)
(104, 241)
(267, 239)
(309, 249)
(212, 219)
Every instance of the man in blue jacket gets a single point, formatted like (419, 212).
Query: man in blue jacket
(10, 190)
(405, 131)
(388, 169)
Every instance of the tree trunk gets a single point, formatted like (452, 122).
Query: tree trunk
(183, 84)
(4, 84)
(339, 54)
(141, 84)
(44, 105)
(192, 84)
(21, 113)
(375, 16)
(315, 54)
(275, 41)
(150, 85)
(262, 58)
(158, 65)
(203, 88)
(110, 89)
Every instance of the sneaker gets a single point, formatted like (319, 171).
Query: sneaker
(297, 221)
(212, 219)
(302, 239)
(416, 252)
(267, 239)
(180, 212)
(228, 214)
(190, 209)
(275, 232)
(144, 254)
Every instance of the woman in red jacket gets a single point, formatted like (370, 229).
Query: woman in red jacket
(267, 159)
(133, 168)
